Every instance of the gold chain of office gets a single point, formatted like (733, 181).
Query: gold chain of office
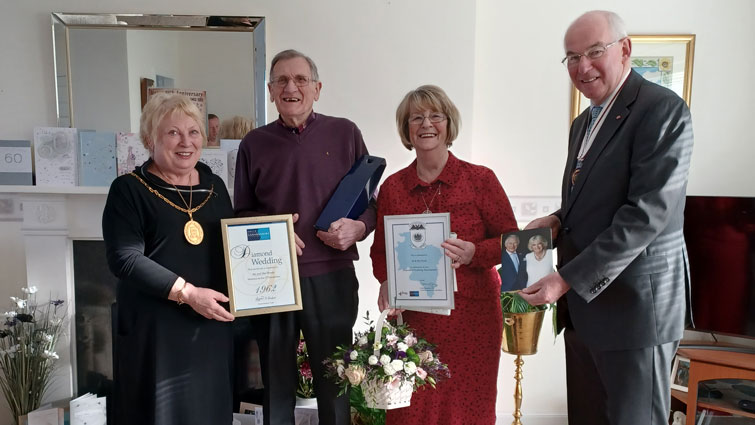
(160, 195)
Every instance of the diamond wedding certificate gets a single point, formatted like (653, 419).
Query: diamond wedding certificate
(261, 267)
(419, 273)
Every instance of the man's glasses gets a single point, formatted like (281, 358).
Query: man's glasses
(299, 81)
(418, 119)
(593, 53)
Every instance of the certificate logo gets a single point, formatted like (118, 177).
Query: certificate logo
(417, 231)
(258, 234)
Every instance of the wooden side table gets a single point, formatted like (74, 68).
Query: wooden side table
(706, 364)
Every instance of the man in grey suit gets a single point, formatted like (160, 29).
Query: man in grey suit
(622, 260)
(513, 269)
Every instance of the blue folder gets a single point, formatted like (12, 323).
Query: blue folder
(354, 192)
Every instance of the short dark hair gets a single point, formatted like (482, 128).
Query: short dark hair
(211, 116)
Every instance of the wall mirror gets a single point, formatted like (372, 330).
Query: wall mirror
(103, 63)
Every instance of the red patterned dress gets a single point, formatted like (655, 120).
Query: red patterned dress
(469, 340)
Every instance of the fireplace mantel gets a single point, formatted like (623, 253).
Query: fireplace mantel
(52, 217)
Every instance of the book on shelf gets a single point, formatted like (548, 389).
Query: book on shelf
(55, 156)
(217, 160)
(15, 162)
(97, 164)
(130, 152)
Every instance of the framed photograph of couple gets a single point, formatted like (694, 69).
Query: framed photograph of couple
(420, 276)
(261, 264)
(680, 373)
(526, 257)
(666, 60)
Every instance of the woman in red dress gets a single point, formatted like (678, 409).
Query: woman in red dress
(468, 340)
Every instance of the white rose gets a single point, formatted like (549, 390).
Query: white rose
(397, 365)
(410, 368)
(384, 359)
(353, 355)
(389, 370)
(410, 339)
(372, 360)
(355, 374)
(426, 356)
(402, 346)
(363, 340)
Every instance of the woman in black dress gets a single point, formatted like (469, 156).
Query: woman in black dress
(161, 225)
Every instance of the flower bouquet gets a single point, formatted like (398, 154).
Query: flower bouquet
(27, 350)
(306, 387)
(388, 362)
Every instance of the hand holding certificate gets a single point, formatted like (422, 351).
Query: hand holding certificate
(419, 273)
(261, 267)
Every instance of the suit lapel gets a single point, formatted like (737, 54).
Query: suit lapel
(614, 118)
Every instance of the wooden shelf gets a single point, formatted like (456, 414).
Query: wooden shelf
(709, 364)
(63, 190)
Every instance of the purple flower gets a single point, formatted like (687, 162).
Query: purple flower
(56, 302)
(26, 318)
(400, 355)
(11, 321)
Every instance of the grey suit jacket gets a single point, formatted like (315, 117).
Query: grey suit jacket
(621, 247)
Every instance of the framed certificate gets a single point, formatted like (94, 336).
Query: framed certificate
(260, 264)
(419, 273)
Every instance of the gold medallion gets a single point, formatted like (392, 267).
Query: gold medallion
(193, 232)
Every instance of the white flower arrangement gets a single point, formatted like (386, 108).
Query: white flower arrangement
(403, 358)
(27, 350)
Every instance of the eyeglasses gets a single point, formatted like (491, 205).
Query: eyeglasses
(435, 117)
(593, 53)
(299, 81)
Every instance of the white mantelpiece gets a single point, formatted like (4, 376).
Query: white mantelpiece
(52, 218)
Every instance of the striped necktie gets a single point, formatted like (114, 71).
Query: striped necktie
(594, 112)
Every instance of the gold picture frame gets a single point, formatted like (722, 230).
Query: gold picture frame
(261, 264)
(668, 60)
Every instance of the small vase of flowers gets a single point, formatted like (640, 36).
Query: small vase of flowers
(27, 350)
(305, 391)
(388, 363)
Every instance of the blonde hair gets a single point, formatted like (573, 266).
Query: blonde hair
(432, 98)
(235, 128)
(537, 239)
(162, 105)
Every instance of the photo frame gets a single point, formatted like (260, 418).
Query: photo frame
(680, 373)
(420, 276)
(664, 59)
(261, 264)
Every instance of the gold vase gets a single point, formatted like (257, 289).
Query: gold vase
(521, 332)
(520, 335)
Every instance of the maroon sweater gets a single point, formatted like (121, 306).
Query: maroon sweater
(280, 170)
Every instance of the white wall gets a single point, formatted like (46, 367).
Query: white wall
(150, 53)
(221, 64)
(99, 79)
(499, 62)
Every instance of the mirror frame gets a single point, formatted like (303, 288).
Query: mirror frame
(64, 22)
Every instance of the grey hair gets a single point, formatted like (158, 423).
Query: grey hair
(615, 23)
(511, 237)
(291, 54)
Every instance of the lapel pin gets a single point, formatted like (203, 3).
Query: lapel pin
(618, 117)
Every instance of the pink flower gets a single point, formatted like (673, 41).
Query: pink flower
(391, 339)
(421, 373)
(410, 340)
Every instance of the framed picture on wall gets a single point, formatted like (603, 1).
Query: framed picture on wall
(680, 373)
(666, 60)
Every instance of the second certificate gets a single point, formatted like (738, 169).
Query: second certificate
(419, 272)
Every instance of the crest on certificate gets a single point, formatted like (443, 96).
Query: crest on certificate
(418, 235)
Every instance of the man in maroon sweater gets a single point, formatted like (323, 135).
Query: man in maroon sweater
(294, 165)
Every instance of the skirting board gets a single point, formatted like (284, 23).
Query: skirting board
(505, 418)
